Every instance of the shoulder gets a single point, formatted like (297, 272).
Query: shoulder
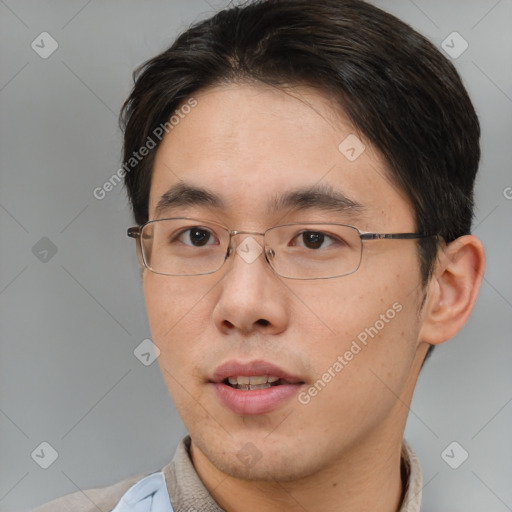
(102, 499)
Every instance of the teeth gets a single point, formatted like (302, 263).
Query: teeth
(251, 387)
(252, 382)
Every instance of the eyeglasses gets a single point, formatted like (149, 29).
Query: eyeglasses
(184, 246)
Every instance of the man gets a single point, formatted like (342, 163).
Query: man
(301, 175)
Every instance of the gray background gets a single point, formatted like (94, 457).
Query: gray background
(69, 325)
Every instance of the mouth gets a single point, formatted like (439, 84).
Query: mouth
(253, 382)
(256, 387)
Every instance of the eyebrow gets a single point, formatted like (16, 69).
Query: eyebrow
(321, 196)
(182, 194)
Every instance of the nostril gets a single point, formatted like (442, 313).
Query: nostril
(263, 322)
(228, 325)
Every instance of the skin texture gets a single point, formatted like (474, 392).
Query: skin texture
(341, 451)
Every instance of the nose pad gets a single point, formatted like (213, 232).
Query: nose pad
(267, 252)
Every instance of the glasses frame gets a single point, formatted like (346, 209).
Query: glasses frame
(136, 232)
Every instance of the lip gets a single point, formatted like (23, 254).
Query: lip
(258, 401)
(260, 367)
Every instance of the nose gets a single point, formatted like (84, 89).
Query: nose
(251, 297)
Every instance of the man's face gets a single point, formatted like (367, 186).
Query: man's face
(250, 145)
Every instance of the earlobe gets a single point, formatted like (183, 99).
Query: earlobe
(453, 289)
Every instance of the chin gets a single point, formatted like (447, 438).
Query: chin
(255, 458)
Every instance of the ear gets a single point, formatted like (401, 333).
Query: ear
(453, 289)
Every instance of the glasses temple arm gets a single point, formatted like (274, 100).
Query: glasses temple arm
(394, 236)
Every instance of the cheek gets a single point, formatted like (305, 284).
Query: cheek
(169, 301)
(359, 371)
(370, 324)
(178, 315)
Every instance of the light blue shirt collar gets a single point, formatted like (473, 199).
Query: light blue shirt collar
(147, 495)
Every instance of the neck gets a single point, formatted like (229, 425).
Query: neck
(367, 478)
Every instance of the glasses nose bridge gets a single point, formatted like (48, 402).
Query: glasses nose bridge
(236, 232)
(240, 232)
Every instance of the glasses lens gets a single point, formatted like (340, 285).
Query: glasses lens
(183, 246)
(314, 251)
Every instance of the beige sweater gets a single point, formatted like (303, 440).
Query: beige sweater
(187, 492)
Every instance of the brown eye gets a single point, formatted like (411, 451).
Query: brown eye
(196, 237)
(313, 239)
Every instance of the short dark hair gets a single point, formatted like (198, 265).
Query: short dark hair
(395, 86)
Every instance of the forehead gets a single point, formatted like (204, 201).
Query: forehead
(249, 145)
